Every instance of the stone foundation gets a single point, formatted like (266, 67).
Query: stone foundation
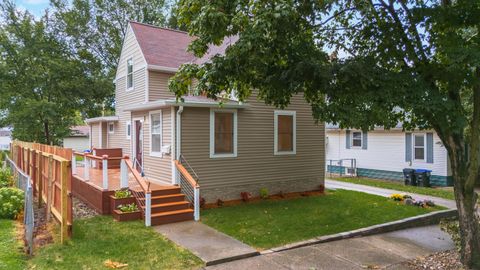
(232, 192)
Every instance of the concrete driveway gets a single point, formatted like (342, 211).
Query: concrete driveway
(383, 251)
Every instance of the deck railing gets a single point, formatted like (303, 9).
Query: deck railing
(89, 161)
(189, 187)
(139, 187)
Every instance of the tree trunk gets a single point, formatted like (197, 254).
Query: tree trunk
(46, 130)
(466, 200)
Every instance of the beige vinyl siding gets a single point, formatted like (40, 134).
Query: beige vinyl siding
(130, 49)
(156, 168)
(158, 86)
(95, 135)
(255, 162)
(105, 135)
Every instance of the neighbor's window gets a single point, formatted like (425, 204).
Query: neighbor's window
(419, 146)
(111, 128)
(129, 73)
(357, 139)
(285, 132)
(129, 130)
(223, 126)
(156, 132)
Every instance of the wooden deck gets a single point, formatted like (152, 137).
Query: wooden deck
(92, 192)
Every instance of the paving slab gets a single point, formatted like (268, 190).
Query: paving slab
(383, 251)
(208, 244)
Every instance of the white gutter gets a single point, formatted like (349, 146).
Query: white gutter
(178, 139)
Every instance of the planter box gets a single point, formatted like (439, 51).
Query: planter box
(114, 202)
(120, 216)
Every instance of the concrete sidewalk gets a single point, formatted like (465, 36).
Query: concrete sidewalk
(383, 251)
(208, 244)
(332, 184)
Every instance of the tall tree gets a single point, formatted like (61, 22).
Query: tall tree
(42, 85)
(410, 61)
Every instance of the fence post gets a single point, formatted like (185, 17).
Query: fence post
(86, 168)
(124, 173)
(74, 163)
(64, 211)
(40, 179)
(196, 201)
(148, 209)
(49, 185)
(105, 171)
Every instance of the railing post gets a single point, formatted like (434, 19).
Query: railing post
(148, 209)
(123, 173)
(94, 152)
(74, 163)
(86, 168)
(196, 200)
(105, 171)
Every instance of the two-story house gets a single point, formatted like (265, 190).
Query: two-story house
(233, 148)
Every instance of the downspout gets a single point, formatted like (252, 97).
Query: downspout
(178, 139)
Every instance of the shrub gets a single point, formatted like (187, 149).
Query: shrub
(246, 196)
(6, 178)
(220, 202)
(321, 188)
(122, 193)
(128, 208)
(264, 193)
(202, 202)
(397, 197)
(11, 202)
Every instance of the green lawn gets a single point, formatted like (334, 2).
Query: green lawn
(98, 239)
(441, 193)
(11, 254)
(272, 223)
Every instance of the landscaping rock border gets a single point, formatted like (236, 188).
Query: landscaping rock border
(421, 220)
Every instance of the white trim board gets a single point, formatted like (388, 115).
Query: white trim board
(275, 133)
(212, 133)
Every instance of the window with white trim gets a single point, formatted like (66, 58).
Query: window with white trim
(419, 147)
(128, 130)
(129, 74)
(223, 133)
(285, 132)
(111, 128)
(357, 139)
(156, 133)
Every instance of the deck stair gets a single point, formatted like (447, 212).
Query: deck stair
(168, 205)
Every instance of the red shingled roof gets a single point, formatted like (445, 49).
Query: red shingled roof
(161, 46)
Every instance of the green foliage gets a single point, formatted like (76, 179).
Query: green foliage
(128, 208)
(122, 193)
(452, 227)
(6, 177)
(98, 239)
(270, 223)
(11, 202)
(264, 193)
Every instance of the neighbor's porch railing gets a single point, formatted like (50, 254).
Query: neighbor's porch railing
(189, 185)
(89, 161)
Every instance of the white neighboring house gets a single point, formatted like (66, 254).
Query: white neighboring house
(79, 138)
(384, 154)
(5, 138)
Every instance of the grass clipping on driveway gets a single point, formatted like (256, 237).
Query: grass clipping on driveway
(273, 223)
(436, 192)
(99, 239)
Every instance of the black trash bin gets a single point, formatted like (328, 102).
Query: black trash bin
(409, 177)
(423, 177)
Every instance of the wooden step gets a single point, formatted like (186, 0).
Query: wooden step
(166, 198)
(172, 216)
(166, 191)
(171, 206)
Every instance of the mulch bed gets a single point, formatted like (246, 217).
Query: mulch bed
(276, 197)
(446, 260)
(81, 210)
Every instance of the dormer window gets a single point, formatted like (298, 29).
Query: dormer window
(130, 74)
